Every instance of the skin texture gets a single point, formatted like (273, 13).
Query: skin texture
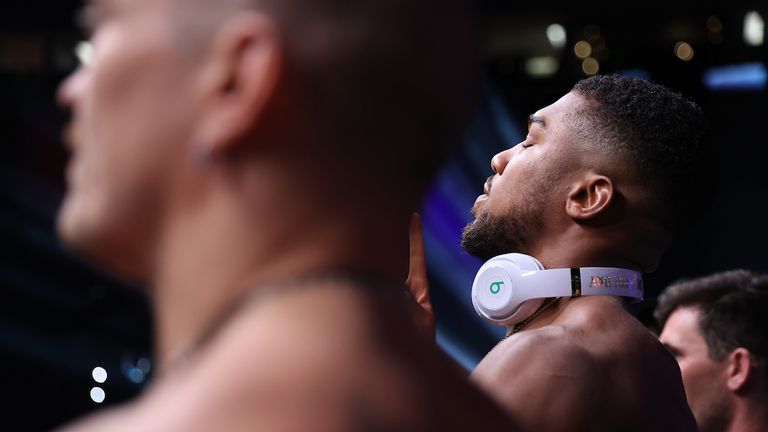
(703, 377)
(272, 309)
(585, 363)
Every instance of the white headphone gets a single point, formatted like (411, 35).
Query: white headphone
(511, 287)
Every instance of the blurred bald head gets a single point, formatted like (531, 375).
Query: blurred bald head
(386, 84)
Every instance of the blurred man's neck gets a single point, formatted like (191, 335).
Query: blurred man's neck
(750, 415)
(239, 236)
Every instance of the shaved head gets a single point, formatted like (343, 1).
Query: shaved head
(387, 84)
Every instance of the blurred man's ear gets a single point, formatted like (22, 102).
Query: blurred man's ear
(740, 369)
(239, 79)
(589, 197)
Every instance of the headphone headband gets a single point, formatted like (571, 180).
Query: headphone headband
(510, 287)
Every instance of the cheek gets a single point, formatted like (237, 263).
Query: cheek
(698, 374)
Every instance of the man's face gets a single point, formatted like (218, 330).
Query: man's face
(527, 189)
(703, 378)
(130, 114)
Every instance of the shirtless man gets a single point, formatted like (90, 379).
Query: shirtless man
(606, 177)
(255, 164)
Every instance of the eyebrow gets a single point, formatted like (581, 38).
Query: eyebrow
(536, 119)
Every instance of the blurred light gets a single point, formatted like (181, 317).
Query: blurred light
(136, 372)
(684, 51)
(754, 28)
(590, 66)
(714, 25)
(84, 52)
(541, 66)
(582, 49)
(747, 76)
(99, 374)
(556, 35)
(144, 365)
(636, 73)
(136, 376)
(98, 395)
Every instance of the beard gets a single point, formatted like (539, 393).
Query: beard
(489, 235)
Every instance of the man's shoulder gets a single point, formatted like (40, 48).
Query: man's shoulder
(333, 368)
(546, 374)
(542, 350)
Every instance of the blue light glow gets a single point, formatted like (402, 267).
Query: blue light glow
(747, 76)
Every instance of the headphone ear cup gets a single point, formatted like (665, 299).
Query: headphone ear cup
(495, 289)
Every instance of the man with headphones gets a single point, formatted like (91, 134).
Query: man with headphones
(604, 181)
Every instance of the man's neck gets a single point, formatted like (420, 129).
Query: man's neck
(568, 309)
(750, 416)
(209, 259)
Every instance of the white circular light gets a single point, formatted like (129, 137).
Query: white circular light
(98, 395)
(556, 35)
(99, 374)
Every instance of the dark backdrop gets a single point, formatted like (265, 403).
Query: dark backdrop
(60, 317)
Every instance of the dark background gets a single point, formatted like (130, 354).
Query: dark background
(60, 317)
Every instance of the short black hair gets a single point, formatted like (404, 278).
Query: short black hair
(734, 310)
(660, 134)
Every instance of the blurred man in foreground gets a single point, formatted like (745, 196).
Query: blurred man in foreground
(256, 163)
(715, 327)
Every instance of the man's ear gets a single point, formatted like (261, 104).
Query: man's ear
(589, 197)
(740, 369)
(239, 79)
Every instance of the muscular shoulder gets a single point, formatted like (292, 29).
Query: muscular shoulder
(559, 373)
(542, 378)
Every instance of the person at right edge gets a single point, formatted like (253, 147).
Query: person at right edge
(715, 325)
(607, 177)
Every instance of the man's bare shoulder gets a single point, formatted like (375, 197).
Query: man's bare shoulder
(541, 379)
(329, 367)
(546, 375)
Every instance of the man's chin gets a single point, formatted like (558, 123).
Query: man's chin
(488, 236)
(84, 241)
(475, 242)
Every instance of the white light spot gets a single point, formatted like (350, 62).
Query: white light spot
(99, 374)
(556, 35)
(754, 28)
(84, 52)
(98, 395)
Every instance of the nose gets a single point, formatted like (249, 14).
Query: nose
(71, 88)
(500, 161)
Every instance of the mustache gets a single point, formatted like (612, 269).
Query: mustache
(487, 185)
